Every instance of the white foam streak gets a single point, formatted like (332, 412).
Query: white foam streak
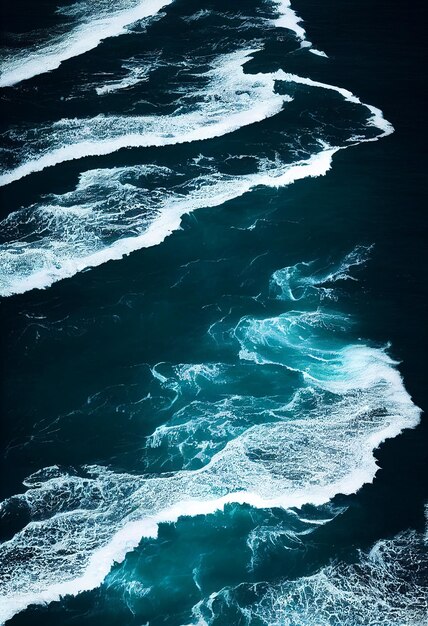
(81, 39)
(168, 221)
(231, 100)
(318, 53)
(377, 119)
(289, 19)
(135, 74)
(386, 586)
(184, 129)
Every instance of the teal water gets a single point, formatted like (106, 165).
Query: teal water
(192, 432)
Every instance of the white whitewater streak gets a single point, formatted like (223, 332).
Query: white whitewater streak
(231, 100)
(244, 100)
(81, 39)
(318, 53)
(377, 119)
(58, 266)
(289, 19)
(135, 74)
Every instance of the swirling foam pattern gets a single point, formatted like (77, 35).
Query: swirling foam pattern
(342, 400)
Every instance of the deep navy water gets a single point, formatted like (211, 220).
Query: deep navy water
(213, 271)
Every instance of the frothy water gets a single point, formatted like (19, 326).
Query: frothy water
(114, 211)
(385, 586)
(284, 410)
(343, 401)
(316, 279)
(79, 228)
(232, 99)
(93, 22)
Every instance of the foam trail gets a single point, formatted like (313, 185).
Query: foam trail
(135, 74)
(377, 119)
(233, 110)
(231, 100)
(318, 53)
(289, 19)
(81, 39)
(39, 265)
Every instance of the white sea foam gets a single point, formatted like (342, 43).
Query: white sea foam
(386, 586)
(201, 428)
(352, 399)
(376, 120)
(96, 21)
(135, 74)
(232, 99)
(74, 243)
(318, 53)
(75, 220)
(289, 19)
(313, 343)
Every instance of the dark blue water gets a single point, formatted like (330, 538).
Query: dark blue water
(214, 299)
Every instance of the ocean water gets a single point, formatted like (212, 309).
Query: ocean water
(213, 303)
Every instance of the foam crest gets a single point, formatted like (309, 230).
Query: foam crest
(135, 74)
(110, 214)
(289, 19)
(299, 340)
(314, 344)
(96, 21)
(376, 120)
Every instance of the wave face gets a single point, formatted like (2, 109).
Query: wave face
(338, 399)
